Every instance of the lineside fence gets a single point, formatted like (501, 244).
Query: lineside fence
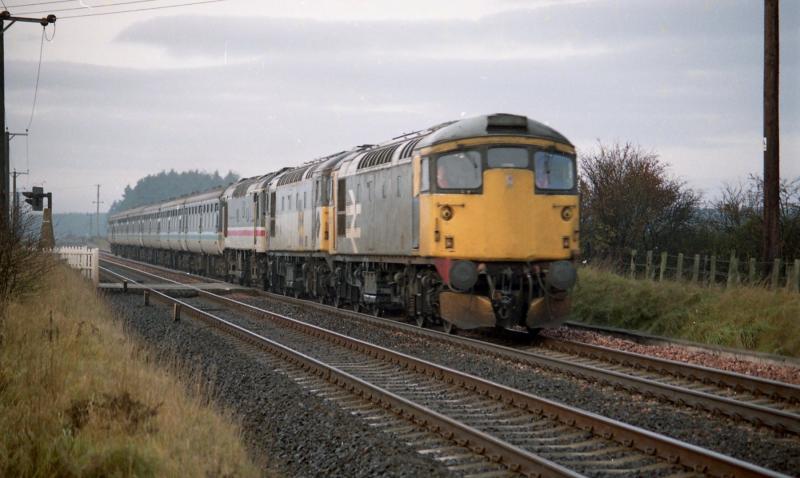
(85, 259)
(712, 270)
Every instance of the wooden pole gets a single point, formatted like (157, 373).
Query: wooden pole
(751, 271)
(648, 265)
(663, 267)
(696, 268)
(679, 271)
(633, 264)
(771, 146)
(733, 270)
(776, 273)
(712, 274)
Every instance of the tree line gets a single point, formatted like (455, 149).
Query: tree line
(630, 200)
(166, 185)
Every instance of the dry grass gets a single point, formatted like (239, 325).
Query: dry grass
(79, 398)
(748, 318)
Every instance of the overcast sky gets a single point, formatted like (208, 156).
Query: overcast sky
(255, 85)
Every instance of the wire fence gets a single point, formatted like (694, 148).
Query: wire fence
(711, 270)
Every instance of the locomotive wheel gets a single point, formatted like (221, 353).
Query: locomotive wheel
(448, 327)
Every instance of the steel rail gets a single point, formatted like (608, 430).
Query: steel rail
(734, 380)
(647, 339)
(740, 410)
(675, 451)
(498, 451)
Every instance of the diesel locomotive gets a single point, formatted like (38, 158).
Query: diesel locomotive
(471, 223)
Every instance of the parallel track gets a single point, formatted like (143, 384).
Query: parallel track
(528, 434)
(741, 397)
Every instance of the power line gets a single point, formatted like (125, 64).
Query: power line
(187, 4)
(40, 3)
(36, 89)
(89, 7)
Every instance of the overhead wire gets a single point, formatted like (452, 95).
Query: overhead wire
(38, 72)
(51, 38)
(133, 10)
(35, 4)
(89, 7)
(188, 4)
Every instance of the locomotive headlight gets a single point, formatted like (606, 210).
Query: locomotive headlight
(447, 213)
(566, 213)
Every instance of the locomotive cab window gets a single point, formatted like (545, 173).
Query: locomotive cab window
(508, 157)
(459, 170)
(554, 171)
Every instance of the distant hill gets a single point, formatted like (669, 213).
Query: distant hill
(77, 225)
(166, 185)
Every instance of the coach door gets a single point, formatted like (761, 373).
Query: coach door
(223, 217)
(272, 201)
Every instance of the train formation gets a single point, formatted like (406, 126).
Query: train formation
(471, 223)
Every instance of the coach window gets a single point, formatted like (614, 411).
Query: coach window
(554, 171)
(460, 170)
(508, 158)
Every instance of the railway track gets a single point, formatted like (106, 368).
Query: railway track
(526, 434)
(759, 401)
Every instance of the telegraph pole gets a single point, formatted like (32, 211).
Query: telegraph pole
(14, 174)
(7, 17)
(97, 216)
(15, 217)
(772, 240)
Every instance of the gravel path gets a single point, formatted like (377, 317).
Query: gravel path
(757, 368)
(293, 431)
(758, 445)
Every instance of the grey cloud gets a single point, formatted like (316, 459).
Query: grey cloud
(334, 86)
(622, 24)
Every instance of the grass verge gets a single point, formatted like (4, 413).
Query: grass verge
(79, 398)
(747, 318)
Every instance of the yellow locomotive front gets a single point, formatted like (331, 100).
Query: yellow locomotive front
(498, 215)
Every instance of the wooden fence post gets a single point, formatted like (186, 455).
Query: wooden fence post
(696, 268)
(648, 265)
(776, 273)
(751, 272)
(733, 270)
(663, 267)
(679, 272)
(146, 296)
(796, 276)
(633, 264)
(712, 274)
(176, 312)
